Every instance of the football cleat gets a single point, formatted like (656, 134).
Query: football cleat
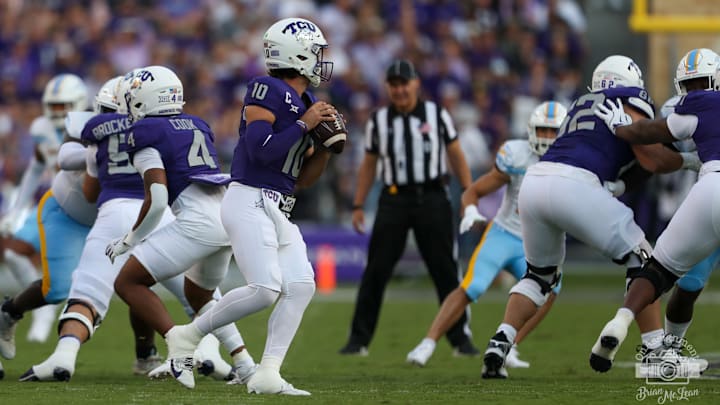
(8, 324)
(495, 354)
(55, 368)
(268, 381)
(420, 355)
(513, 359)
(208, 360)
(353, 349)
(143, 366)
(181, 342)
(607, 345)
(241, 374)
(43, 320)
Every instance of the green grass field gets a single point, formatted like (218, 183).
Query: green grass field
(558, 351)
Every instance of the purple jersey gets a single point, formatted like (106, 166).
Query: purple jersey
(117, 177)
(287, 106)
(705, 105)
(185, 143)
(585, 141)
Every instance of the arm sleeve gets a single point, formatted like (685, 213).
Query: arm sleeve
(147, 158)
(682, 126)
(71, 156)
(267, 146)
(91, 161)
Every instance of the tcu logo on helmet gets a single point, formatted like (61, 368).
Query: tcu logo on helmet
(296, 26)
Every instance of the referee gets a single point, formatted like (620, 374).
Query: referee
(410, 139)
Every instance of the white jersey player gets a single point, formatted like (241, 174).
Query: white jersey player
(58, 230)
(501, 245)
(272, 157)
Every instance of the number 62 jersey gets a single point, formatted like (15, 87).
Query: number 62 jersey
(585, 141)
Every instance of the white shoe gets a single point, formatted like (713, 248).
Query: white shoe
(268, 381)
(513, 359)
(56, 368)
(181, 342)
(607, 345)
(421, 353)
(243, 373)
(208, 360)
(148, 364)
(43, 320)
(7, 335)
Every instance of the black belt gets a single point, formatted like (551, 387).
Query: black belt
(433, 185)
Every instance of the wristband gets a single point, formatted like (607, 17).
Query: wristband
(303, 125)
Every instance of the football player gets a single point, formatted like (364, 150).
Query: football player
(58, 230)
(501, 245)
(691, 235)
(63, 93)
(274, 155)
(176, 157)
(583, 157)
(118, 190)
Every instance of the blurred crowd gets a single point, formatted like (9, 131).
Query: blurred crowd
(488, 61)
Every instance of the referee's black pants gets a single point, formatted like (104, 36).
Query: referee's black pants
(427, 211)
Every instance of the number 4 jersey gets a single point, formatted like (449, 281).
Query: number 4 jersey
(584, 141)
(185, 144)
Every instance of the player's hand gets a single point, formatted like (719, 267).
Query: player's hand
(7, 225)
(613, 114)
(358, 221)
(320, 111)
(117, 248)
(616, 188)
(691, 161)
(472, 219)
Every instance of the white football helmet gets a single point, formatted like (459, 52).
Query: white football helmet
(154, 90)
(122, 91)
(616, 71)
(697, 63)
(549, 114)
(106, 97)
(296, 43)
(63, 93)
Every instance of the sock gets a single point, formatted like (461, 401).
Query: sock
(286, 317)
(429, 342)
(234, 305)
(68, 347)
(653, 339)
(509, 331)
(228, 335)
(143, 352)
(271, 362)
(12, 310)
(625, 315)
(241, 358)
(677, 329)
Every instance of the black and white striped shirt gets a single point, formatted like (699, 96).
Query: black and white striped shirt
(412, 147)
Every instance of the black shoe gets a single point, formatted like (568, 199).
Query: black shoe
(494, 359)
(354, 349)
(466, 349)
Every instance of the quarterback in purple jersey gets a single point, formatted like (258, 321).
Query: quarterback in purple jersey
(274, 155)
(692, 233)
(584, 155)
(175, 155)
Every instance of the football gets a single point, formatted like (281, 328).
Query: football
(331, 134)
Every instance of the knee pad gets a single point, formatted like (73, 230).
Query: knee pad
(537, 283)
(90, 325)
(690, 283)
(660, 277)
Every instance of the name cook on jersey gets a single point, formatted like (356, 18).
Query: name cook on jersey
(123, 124)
